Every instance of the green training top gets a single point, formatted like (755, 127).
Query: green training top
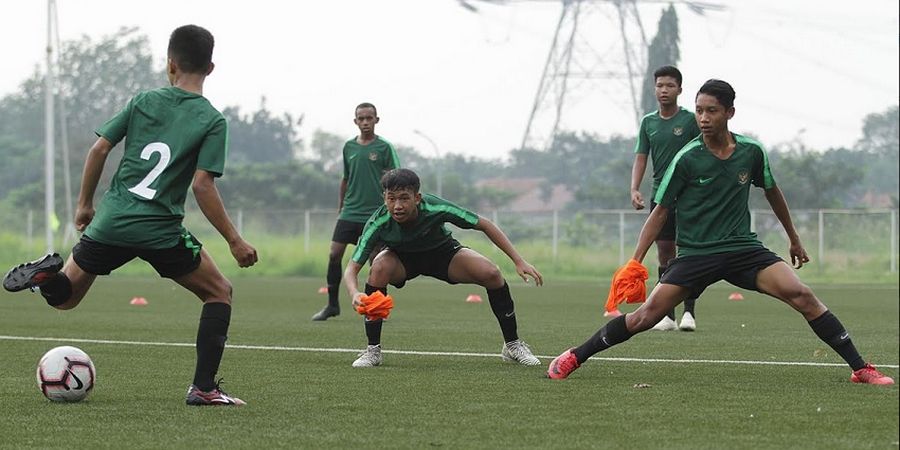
(713, 194)
(425, 233)
(170, 134)
(363, 167)
(663, 138)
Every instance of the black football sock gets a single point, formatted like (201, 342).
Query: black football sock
(830, 330)
(614, 332)
(660, 271)
(57, 290)
(373, 327)
(373, 331)
(333, 278)
(371, 289)
(689, 306)
(502, 305)
(211, 336)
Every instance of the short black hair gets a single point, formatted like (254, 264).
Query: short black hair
(191, 47)
(365, 105)
(721, 90)
(400, 179)
(668, 71)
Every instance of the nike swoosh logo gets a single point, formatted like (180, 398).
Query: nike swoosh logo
(702, 180)
(350, 158)
(77, 380)
(510, 314)
(845, 336)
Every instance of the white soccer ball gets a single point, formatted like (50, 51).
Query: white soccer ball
(66, 374)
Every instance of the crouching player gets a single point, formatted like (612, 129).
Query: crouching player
(411, 227)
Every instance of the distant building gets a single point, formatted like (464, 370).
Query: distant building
(531, 194)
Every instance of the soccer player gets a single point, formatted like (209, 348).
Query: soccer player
(710, 182)
(366, 158)
(662, 134)
(411, 227)
(175, 139)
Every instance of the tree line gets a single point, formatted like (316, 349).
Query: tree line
(269, 165)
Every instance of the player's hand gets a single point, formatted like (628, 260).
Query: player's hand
(244, 253)
(798, 255)
(83, 217)
(525, 270)
(637, 200)
(357, 299)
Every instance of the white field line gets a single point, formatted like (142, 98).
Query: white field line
(424, 353)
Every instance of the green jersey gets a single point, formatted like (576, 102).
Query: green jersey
(663, 138)
(363, 167)
(170, 134)
(425, 233)
(713, 194)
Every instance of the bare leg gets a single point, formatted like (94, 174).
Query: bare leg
(780, 281)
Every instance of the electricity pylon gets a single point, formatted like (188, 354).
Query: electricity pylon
(575, 62)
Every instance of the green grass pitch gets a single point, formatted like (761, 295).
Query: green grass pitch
(707, 389)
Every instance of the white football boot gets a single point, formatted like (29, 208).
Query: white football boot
(687, 322)
(666, 324)
(371, 357)
(519, 352)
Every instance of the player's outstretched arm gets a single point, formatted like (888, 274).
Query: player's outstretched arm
(649, 231)
(93, 168)
(496, 235)
(779, 206)
(351, 280)
(210, 202)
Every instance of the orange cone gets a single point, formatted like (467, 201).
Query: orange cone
(735, 296)
(473, 298)
(323, 290)
(139, 301)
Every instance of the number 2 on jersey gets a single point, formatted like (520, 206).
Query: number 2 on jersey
(143, 188)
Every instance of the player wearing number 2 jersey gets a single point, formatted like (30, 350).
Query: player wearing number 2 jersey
(144, 205)
(174, 139)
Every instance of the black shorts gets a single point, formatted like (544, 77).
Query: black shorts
(668, 230)
(347, 232)
(100, 259)
(697, 272)
(433, 263)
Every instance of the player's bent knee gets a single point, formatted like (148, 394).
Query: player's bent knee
(799, 295)
(220, 290)
(807, 302)
(380, 273)
(226, 289)
(491, 277)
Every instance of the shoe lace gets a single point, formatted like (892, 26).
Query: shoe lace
(519, 349)
(218, 387)
(567, 363)
(870, 373)
(370, 353)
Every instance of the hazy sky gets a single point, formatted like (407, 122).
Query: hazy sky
(807, 68)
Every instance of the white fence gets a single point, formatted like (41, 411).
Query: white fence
(833, 238)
